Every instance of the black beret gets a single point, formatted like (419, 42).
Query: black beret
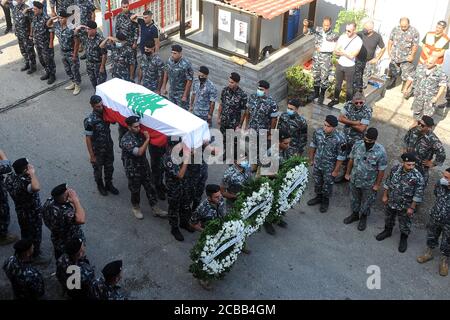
(95, 99)
(212, 188)
(284, 135)
(22, 245)
(132, 119)
(409, 157)
(20, 165)
(372, 134)
(428, 121)
(332, 120)
(295, 102)
(59, 190)
(64, 14)
(448, 169)
(264, 84)
(204, 70)
(91, 24)
(73, 246)
(38, 4)
(177, 48)
(120, 36)
(235, 77)
(149, 44)
(112, 269)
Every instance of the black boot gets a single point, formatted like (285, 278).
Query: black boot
(316, 92)
(321, 96)
(51, 79)
(352, 218)
(403, 245)
(385, 234)
(314, 201)
(177, 234)
(390, 83)
(25, 67)
(45, 76)
(324, 204)
(101, 188)
(362, 222)
(269, 228)
(110, 187)
(32, 69)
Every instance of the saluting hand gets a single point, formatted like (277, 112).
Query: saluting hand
(73, 197)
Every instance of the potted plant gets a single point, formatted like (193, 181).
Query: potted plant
(300, 83)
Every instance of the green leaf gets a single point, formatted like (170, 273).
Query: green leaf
(140, 102)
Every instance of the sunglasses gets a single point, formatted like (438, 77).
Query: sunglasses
(358, 103)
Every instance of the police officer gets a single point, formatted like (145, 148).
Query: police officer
(121, 56)
(106, 288)
(26, 281)
(22, 21)
(151, 68)
(204, 96)
(43, 41)
(403, 189)
(100, 146)
(69, 50)
(201, 178)
(75, 255)
(326, 154)
(234, 177)
(325, 42)
(5, 236)
(365, 170)
(355, 116)
(178, 71)
(137, 169)
(96, 56)
(213, 207)
(422, 140)
(23, 187)
(60, 5)
(294, 124)
(439, 224)
(63, 215)
(87, 13)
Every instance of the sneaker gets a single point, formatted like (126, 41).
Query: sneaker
(8, 239)
(76, 89)
(71, 86)
(177, 234)
(137, 213)
(158, 212)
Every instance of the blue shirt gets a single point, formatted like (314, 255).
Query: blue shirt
(148, 32)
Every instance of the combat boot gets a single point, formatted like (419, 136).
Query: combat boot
(8, 239)
(352, 218)
(403, 245)
(427, 256)
(101, 188)
(45, 76)
(137, 213)
(157, 212)
(386, 233)
(324, 204)
(110, 187)
(443, 266)
(177, 234)
(76, 89)
(71, 86)
(25, 67)
(32, 69)
(51, 79)
(321, 96)
(362, 222)
(316, 93)
(314, 201)
(269, 228)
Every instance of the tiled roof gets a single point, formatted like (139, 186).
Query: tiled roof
(268, 9)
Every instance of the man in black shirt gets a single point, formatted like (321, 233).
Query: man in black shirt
(147, 29)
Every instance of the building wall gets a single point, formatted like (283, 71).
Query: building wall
(271, 31)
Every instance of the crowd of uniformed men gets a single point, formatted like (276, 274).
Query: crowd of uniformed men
(351, 155)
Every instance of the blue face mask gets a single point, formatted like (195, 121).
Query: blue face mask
(244, 164)
(290, 112)
(444, 182)
(119, 44)
(259, 93)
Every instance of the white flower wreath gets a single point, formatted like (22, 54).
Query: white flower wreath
(295, 182)
(232, 235)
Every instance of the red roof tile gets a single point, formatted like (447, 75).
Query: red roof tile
(268, 9)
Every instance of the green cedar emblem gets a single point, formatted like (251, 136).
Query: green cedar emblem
(140, 102)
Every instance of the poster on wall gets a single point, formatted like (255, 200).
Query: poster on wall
(224, 20)
(240, 31)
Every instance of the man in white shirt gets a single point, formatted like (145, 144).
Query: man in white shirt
(347, 48)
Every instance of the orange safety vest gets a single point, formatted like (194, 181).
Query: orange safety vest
(431, 45)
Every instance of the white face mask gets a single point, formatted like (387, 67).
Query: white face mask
(444, 182)
(119, 44)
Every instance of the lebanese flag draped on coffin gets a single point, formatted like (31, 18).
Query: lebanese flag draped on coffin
(159, 116)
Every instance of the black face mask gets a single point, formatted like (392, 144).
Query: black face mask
(368, 145)
(147, 53)
(202, 80)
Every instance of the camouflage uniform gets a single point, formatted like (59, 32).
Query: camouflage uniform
(192, 182)
(61, 5)
(204, 94)
(66, 39)
(233, 179)
(283, 156)
(131, 30)
(152, 68)
(261, 111)
(22, 23)
(27, 282)
(87, 273)
(28, 208)
(100, 290)
(439, 222)
(200, 186)
(102, 145)
(207, 211)
(403, 42)
(94, 55)
(426, 88)
(425, 147)
(121, 59)
(5, 167)
(298, 129)
(403, 188)
(137, 168)
(60, 220)
(354, 113)
(179, 73)
(366, 164)
(329, 149)
(41, 37)
(86, 9)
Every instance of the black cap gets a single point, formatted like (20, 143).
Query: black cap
(372, 134)
(211, 189)
(204, 70)
(332, 120)
(295, 102)
(112, 269)
(38, 4)
(409, 157)
(263, 84)
(20, 165)
(284, 135)
(120, 36)
(177, 48)
(95, 99)
(235, 77)
(91, 24)
(64, 14)
(132, 119)
(428, 121)
(22, 245)
(73, 246)
(59, 190)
